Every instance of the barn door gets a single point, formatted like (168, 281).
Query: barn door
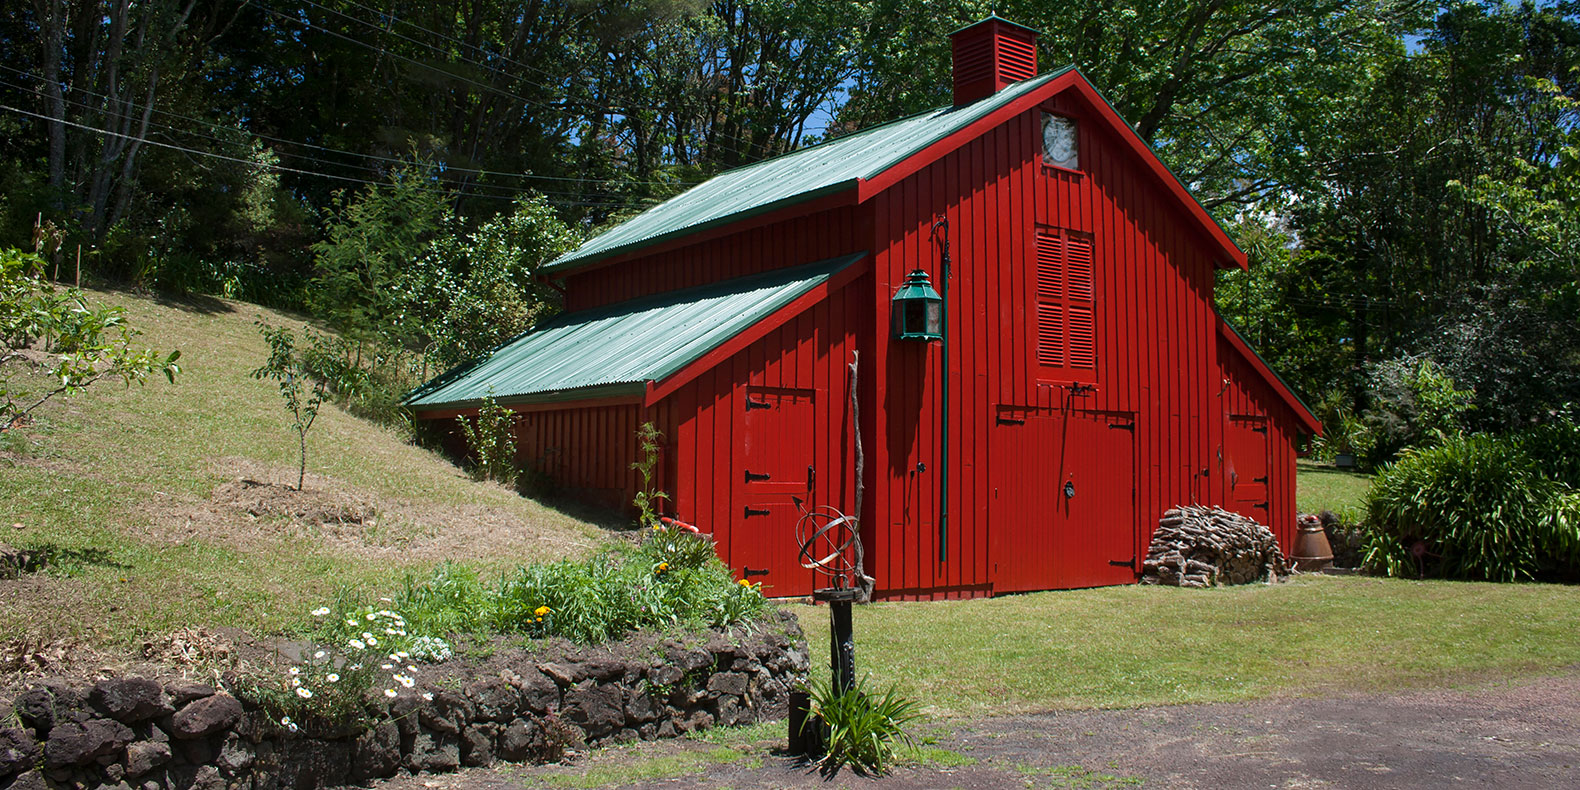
(1095, 495)
(773, 463)
(1245, 466)
(1024, 450)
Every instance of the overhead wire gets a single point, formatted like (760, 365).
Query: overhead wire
(299, 171)
(495, 70)
(375, 157)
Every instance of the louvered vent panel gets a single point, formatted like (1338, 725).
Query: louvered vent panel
(1050, 274)
(1083, 338)
(973, 61)
(1017, 60)
(1079, 255)
(1050, 334)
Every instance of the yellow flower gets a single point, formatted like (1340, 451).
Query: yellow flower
(744, 583)
(662, 566)
(541, 611)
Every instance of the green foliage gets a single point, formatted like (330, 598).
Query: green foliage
(370, 242)
(473, 291)
(491, 441)
(664, 582)
(1472, 507)
(1413, 404)
(649, 444)
(302, 391)
(352, 652)
(861, 728)
(82, 345)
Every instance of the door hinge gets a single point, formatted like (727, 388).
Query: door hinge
(1262, 479)
(1262, 429)
(752, 477)
(1011, 420)
(757, 404)
(1262, 505)
(750, 511)
(1122, 426)
(748, 573)
(1130, 563)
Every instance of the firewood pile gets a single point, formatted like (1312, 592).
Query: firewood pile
(1199, 546)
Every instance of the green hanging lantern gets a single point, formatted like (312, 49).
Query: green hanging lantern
(917, 310)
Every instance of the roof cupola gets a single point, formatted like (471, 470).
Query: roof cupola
(991, 54)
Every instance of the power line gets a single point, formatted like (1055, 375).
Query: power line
(285, 169)
(374, 157)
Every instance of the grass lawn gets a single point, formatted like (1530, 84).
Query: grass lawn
(1320, 487)
(1131, 646)
(118, 484)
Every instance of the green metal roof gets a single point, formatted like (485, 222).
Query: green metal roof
(617, 349)
(792, 178)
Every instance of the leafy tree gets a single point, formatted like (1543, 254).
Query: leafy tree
(300, 387)
(371, 241)
(77, 345)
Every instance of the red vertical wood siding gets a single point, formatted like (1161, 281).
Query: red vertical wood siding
(1156, 350)
(1246, 393)
(805, 358)
(816, 237)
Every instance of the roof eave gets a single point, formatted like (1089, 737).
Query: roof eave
(1280, 387)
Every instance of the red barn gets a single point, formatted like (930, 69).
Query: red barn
(1082, 385)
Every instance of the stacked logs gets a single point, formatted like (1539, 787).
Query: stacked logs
(1199, 546)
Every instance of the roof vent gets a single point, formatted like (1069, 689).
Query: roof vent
(990, 55)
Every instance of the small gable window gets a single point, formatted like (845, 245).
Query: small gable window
(1066, 302)
(1060, 142)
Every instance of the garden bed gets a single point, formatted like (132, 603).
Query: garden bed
(520, 705)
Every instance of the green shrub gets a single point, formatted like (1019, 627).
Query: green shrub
(491, 439)
(860, 728)
(1555, 447)
(1477, 507)
(671, 579)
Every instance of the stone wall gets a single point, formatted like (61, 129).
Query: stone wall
(145, 734)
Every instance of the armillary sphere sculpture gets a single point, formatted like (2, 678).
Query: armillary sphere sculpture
(831, 545)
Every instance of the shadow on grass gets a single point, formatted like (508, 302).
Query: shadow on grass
(69, 561)
(195, 303)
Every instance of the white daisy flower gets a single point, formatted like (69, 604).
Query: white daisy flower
(404, 680)
(320, 654)
(412, 670)
(386, 666)
(389, 693)
(321, 611)
(372, 641)
(427, 695)
(332, 678)
(353, 623)
(304, 693)
(295, 682)
(294, 671)
(357, 643)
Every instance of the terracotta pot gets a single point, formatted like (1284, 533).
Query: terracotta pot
(1312, 551)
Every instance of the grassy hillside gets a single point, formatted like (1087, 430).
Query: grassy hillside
(147, 499)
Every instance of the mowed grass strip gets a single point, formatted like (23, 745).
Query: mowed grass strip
(116, 484)
(1122, 647)
(1320, 487)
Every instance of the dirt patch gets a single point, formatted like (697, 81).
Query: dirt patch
(1511, 735)
(249, 503)
(316, 506)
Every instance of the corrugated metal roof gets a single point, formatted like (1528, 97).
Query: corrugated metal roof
(619, 348)
(794, 177)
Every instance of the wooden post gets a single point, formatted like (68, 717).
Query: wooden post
(79, 265)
